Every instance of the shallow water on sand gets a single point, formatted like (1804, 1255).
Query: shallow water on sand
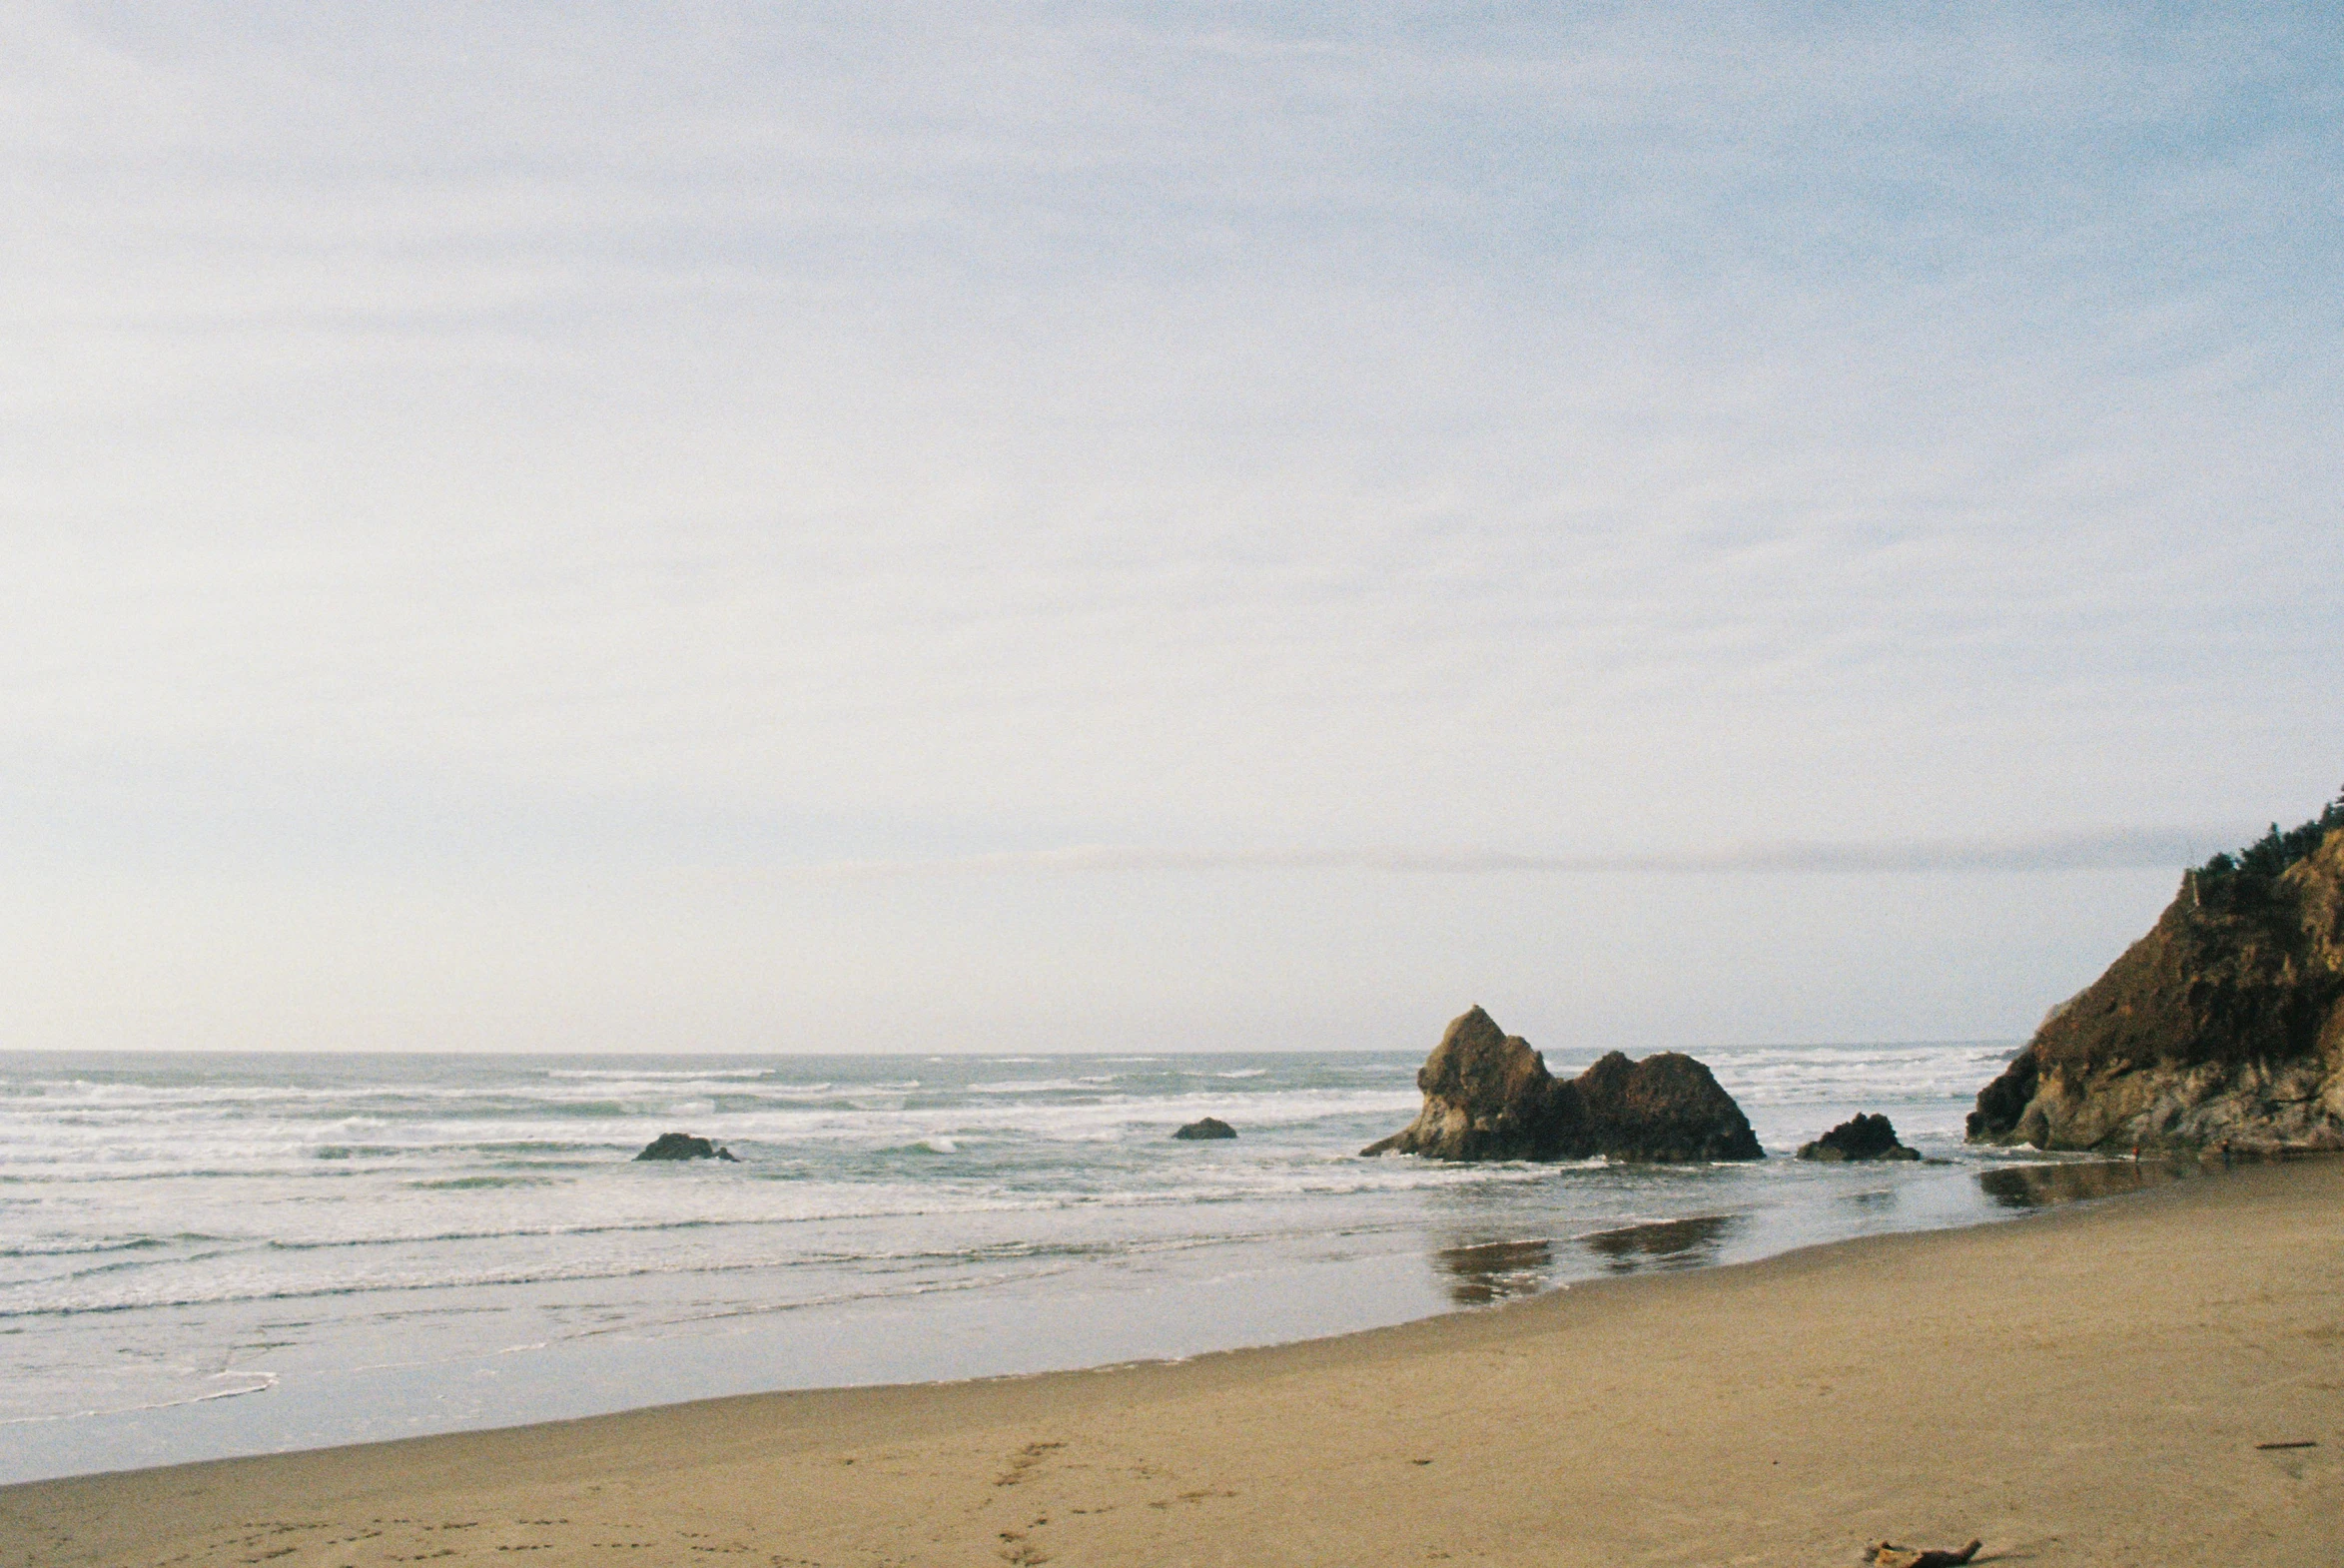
(205, 1256)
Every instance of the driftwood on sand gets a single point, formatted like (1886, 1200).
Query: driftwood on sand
(1887, 1554)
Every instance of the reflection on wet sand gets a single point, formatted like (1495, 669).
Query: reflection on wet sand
(1494, 1270)
(1480, 1274)
(2041, 1187)
(1672, 1244)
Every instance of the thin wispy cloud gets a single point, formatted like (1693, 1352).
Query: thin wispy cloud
(2121, 849)
(818, 437)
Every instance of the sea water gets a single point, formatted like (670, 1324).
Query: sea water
(204, 1255)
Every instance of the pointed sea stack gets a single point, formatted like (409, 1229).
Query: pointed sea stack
(1488, 1095)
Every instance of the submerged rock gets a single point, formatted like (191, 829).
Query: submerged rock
(683, 1146)
(1205, 1127)
(2224, 1025)
(1858, 1137)
(1488, 1095)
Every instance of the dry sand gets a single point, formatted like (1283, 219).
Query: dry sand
(2086, 1386)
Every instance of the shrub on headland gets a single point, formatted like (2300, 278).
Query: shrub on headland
(2275, 851)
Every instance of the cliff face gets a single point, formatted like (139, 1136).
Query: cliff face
(2224, 1023)
(1488, 1095)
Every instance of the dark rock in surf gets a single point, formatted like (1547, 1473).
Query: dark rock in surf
(1667, 1107)
(1488, 1095)
(1208, 1127)
(683, 1146)
(1858, 1137)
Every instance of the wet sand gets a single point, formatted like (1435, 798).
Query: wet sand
(2089, 1385)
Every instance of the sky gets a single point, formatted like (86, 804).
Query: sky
(941, 527)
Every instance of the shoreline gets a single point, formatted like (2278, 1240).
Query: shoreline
(1476, 1275)
(2060, 1386)
(495, 1256)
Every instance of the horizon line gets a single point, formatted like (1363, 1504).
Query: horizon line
(2173, 848)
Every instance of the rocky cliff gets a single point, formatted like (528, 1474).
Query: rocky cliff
(1488, 1095)
(2225, 1024)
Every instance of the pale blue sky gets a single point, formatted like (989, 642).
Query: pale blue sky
(645, 526)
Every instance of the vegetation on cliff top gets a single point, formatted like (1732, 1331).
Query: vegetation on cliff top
(2275, 851)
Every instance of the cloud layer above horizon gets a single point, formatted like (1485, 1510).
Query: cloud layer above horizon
(514, 512)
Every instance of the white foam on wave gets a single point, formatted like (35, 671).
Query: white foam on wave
(419, 1216)
(262, 1149)
(649, 1075)
(510, 1264)
(255, 1383)
(1101, 1116)
(1787, 1075)
(620, 1223)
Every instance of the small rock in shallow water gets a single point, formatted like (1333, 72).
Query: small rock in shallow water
(683, 1146)
(1211, 1126)
(1860, 1138)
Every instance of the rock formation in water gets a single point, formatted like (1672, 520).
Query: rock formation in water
(1488, 1095)
(1206, 1128)
(2223, 1026)
(683, 1146)
(1858, 1137)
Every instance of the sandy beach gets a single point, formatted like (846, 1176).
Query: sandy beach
(2089, 1385)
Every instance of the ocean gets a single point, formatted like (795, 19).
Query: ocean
(203, 1256)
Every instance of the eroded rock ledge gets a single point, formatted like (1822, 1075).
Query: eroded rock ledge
(2224, 1024)
(1488, 1095)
